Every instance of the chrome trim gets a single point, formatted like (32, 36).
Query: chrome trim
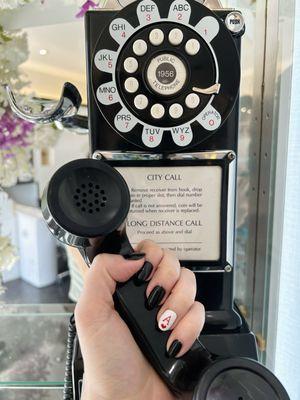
(209, 271)
(235, 29)
(57, 230)
(16, 386)
(67, 106)
(141, 156)
(204, 155)
(231, 198)
(212, 4)
(85, 257)
(132, 156)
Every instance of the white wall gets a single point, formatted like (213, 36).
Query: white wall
(68, 147)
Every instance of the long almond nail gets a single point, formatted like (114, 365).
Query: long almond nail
(166, 321)
(155, 297)
(145, 272)
(174, 349)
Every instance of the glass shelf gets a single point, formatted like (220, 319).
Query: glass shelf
(33, 345)
(30, 394)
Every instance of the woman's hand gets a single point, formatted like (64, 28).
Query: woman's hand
(115, 368)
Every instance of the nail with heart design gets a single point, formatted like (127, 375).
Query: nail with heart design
(166, 321)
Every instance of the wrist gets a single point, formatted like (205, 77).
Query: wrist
(154, 391)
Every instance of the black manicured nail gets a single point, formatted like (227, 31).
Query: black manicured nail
(145, 272)
(134, 256)
(155, 297)
(174, 348)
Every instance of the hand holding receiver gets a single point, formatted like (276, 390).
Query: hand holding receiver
(85, 205)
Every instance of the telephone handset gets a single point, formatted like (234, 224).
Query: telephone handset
(77, 219)
(164, 74)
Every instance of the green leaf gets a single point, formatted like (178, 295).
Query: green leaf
(3, 36)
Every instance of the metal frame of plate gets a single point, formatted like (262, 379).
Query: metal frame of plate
(263, 135)
(266, 268)
(285, 17)
(264, 201)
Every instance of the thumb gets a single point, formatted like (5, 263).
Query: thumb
(100, 284)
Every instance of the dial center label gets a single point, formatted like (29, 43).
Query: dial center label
(178, 207)
(166, 74)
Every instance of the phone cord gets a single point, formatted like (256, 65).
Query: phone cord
(68, 384)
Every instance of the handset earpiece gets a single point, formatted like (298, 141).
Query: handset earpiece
(238, 379)
(85, 202)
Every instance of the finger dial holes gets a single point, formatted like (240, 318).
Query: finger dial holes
(158, 70)
(90, 198)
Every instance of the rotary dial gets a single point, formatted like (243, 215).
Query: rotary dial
(161, 73)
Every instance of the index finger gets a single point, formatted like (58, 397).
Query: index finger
(154, 254)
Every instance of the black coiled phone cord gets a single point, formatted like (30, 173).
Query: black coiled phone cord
(68, 382)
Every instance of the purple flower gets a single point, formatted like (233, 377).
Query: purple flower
(14, 131)
(85, 7)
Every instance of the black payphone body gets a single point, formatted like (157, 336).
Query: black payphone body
(163, 87)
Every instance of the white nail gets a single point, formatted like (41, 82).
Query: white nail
(166, 321)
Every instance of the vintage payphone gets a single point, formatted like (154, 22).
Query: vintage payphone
(163, 101)
(163, 98)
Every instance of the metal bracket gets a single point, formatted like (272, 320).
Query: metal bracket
(212, 4)
(67, 107)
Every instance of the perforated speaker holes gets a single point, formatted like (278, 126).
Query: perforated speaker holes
(90, 198)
